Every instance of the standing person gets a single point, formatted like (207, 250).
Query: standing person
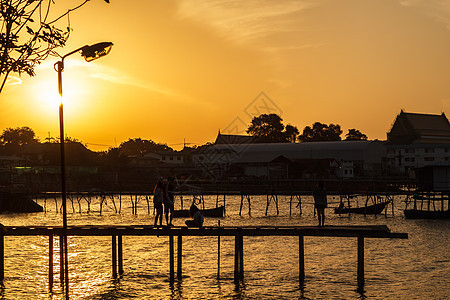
(196, 215)
(158, 201)
(168, 201)
(320, 201)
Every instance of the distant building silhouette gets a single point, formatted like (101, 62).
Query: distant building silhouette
(417, 140)
(233, 139)
(413, 128)
(340, 159)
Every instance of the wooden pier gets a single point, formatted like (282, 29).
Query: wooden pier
(117, 232)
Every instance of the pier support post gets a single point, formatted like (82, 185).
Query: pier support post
(114, 256)
(120, 254)
(241, 257)
(360, 273)
(238, 258)
(2, 257)
(50, 263)
(301, 259)
(171, 259)
(179, 257)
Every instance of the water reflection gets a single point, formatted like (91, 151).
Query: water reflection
(394, 268)
(239, 289)
(113, 292)
(176, 290)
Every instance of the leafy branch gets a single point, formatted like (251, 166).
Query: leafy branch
(28, 36)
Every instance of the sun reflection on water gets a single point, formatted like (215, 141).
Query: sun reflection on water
(393, 267)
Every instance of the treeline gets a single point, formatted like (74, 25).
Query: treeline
(266, 128)
(269, 128)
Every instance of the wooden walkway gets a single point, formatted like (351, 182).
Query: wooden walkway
(117, 232)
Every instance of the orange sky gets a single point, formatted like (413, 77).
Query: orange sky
(185, 69)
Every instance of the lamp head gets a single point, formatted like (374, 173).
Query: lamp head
(95, 51)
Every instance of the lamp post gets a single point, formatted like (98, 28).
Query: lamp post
(89, 53)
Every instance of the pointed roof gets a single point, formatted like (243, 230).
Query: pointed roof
(419, 128)
(231, 139)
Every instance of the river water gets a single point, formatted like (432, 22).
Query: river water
(415, 268)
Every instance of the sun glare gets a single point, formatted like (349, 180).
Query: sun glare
(45, 95)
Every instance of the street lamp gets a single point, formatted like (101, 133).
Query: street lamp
(90, 53)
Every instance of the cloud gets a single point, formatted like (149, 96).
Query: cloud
(439, 10)
(13, 80)
(111, 75)
(244, 21)
(114, 76)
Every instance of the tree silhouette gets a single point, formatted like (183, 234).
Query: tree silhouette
(28, 35)
(291, 133)
(268, 128)
(321, 132)
(13, 138)
(355, 135)
(18, 136)
(139, 146)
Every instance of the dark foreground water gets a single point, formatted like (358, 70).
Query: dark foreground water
(416, 268)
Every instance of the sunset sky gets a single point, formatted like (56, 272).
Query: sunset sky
(186, 69)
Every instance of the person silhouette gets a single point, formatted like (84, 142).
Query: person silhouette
(168, 200)
(320, 201)
(196, 215)
(158, 201)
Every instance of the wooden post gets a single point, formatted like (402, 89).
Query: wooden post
(120, 254)
(300, 203)
(236, 258)
(2, 258)
(301, 259)
(172, 260)
(276, 204)
(114, 256)
(50, 263)
(360, 273)
(242, 203)
(61, 260)
(218, 254)
(179, 256)
(290, 205)
(241, 257)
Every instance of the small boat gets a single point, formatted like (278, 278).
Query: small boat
(426, 214)
(426, 206)
(217, 212)
(373, 209)
(18, 202)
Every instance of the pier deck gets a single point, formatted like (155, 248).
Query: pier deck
(374, 231)
(117, 232)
